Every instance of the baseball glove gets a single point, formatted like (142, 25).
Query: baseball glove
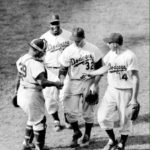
(14, 101)
(133, 111)
(92, 99)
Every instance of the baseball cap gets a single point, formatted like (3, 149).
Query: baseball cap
(55, 19)
(77, 33)
(114, 38)
(39, 44)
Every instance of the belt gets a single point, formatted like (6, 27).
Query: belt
(48, 67)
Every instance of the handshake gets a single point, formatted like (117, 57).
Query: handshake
(86, 76)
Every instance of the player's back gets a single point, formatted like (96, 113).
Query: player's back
(24, 67)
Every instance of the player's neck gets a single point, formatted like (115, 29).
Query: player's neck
(81, 44)
(58, 33)
(118, 50)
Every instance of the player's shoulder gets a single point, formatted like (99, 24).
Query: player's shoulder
(33, 63)
(129, 53)
(93, 48)
(45, 35)
(108, 55)
(66, 34)
(69, 48)
(22, 57)
(27, 58)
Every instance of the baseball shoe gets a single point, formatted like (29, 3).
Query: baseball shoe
(110, 145)
(32, 145)
(76, 136)
(120, 146)
(57, 126)
(68, 126)
(26, 147)
(85, 141)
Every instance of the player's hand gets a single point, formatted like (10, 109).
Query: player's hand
(94, 88)
(133, 101)
(86, 76)
(59, 84)
(132, 110)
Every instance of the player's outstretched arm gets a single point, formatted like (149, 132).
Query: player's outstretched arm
(98, 72)
(135, 88)
(46, 83)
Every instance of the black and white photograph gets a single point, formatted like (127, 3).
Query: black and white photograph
(74, 75)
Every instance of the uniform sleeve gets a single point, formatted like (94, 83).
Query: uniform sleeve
(64, 58)
(36, 68)
(132, 62)
(98, 64)
(98, 54)
(106, 58)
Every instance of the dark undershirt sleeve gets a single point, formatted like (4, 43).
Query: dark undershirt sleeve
(63, 71)
(98, 64)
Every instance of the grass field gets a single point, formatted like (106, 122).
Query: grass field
(22, 20)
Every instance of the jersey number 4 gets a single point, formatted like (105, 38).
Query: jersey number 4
(125, 77)
(22, 70)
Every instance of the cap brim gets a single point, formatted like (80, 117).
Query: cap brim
(107, 40)
(35, 47)
(54, 22)
(30, 45)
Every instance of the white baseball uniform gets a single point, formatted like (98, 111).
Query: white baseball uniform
(79, 61)
(30, 97)
(56, 44)
(119, 90)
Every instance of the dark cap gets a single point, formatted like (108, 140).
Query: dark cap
(114, 38)
(54, 19)
(39, 44)
(77, 33)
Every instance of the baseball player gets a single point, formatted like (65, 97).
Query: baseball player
(32, 79)
(80, 57)
(122, 90)
(58, 39)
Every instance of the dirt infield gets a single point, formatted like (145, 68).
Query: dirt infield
(22, 20)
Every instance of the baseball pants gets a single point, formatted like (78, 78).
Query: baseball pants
(115, 100)
(75, 105)
(33, 104)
